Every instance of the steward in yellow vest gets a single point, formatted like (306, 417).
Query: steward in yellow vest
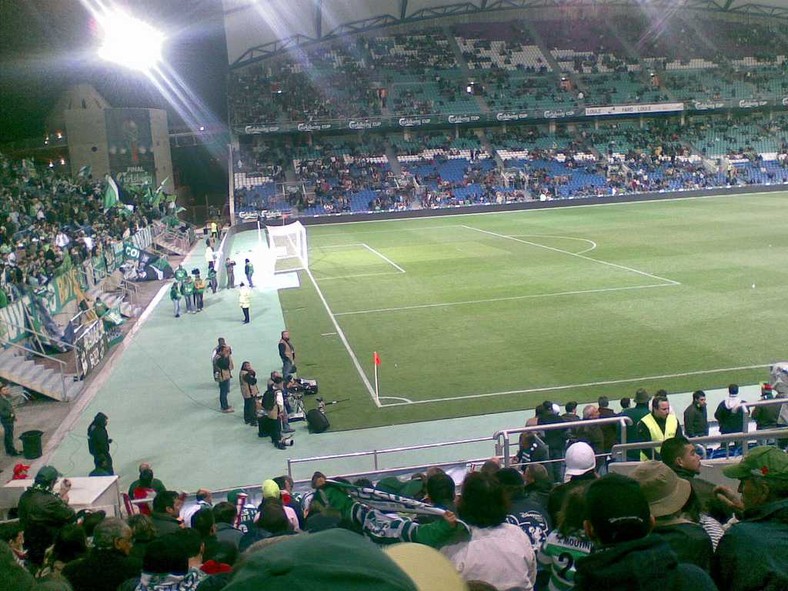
(658, 425)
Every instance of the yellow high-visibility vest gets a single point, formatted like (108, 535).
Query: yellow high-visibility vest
(671, 427)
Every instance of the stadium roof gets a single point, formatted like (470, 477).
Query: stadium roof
(259, 28)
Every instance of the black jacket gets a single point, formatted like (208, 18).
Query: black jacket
(646, 564)
(696, 423)
(101, 570)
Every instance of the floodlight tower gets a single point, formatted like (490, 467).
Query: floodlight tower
(129, 41)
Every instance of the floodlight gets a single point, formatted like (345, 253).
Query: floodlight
(129, 42)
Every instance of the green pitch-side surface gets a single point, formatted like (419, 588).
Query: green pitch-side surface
(477, 314)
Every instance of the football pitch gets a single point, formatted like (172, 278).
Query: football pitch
(484, 313)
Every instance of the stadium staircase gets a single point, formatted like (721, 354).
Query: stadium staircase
(115, 291)
(172, 242)
(47, 375)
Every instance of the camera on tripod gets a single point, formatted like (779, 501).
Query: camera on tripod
(301, 386)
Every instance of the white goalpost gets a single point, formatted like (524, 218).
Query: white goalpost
(288, 247)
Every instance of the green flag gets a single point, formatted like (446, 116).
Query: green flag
(84, 171)
(111, 194)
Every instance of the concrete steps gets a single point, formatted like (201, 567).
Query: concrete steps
(17, 368)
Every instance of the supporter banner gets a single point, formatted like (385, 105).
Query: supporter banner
(634, 109)
(143, 238)
(91, 348)
(130, 146)
(708, 105)
(504, 116)
(142, 265)
(12, 320)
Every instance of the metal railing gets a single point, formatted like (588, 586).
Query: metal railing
(757, 403)
(61, 364)
(503, 445)
(377, 453)
(500, 439)
(619, 451)
(49, 338)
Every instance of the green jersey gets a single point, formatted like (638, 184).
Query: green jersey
(559, 553)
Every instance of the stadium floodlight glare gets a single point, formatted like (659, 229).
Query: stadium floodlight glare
(129, 42)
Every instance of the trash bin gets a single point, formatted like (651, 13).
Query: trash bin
(31, 444)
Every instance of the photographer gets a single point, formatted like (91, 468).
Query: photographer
(287, 354)
(273, 407)
(249, 392)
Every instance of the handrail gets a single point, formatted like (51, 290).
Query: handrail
(619, 451)
(61, 364)
(503, 447)
(375, 453)
(748, 405)
(58, 341)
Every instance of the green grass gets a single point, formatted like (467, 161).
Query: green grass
(497, 312)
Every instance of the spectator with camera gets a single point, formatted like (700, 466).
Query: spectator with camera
(272, 408)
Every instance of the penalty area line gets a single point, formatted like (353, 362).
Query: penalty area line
(585, 385)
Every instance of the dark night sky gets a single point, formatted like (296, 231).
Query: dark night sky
(47, 46)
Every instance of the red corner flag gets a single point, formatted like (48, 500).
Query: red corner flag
(376, 358)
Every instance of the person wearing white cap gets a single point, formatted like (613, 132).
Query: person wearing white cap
(580, 471)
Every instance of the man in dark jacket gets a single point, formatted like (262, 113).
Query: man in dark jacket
(554, 438)
(524, 512)
(696, 424)
(618, 521)
(108, 564)
(156, 484)
(639, 411)
(753, 554)
(98, 444)
(608, 431)
(42, 512)
(166, 509)
(7, 419)
(730, 413)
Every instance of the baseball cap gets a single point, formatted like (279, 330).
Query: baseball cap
(617, 509)
(766, 461)
(47, 475)
(665, 492)
(337, 559)
(579, 460)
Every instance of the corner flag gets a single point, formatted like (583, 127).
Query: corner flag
(376, 358)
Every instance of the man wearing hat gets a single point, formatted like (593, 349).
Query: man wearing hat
(42, 512)
(667, 494)
(753, 554)
(618, 521)
(580, 472)
(730, 412)
(766, 417)
(639, 411)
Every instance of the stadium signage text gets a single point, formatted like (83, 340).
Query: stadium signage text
(511, 116)
(363, 124)
(313, 126)
(708, 105)
(463, 118)
(749, 104)
(414, 121)
(261, 128)
(559, 114)
(630, 109)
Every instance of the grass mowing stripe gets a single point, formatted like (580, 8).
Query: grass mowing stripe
(504, 299)
(567, 252)
(573, 386)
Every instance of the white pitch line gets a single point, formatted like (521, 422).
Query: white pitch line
(559, 250)
(592, 247)
(357, 275)
(505, 299)
(337, 246)
(586, 385)
(385, 258)
(344, 340)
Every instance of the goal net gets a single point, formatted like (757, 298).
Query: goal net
(288, 246)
